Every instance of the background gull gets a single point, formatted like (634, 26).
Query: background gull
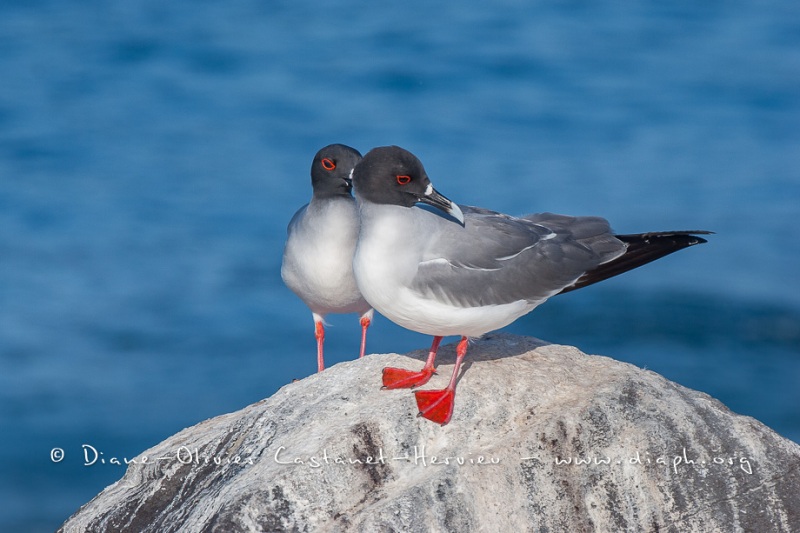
(318, 257)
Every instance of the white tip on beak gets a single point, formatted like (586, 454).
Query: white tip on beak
(456, 213)
(434, 198)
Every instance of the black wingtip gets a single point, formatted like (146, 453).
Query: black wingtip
(643, 248)
(689, 237)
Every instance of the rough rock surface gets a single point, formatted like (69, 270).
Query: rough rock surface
(333, 452)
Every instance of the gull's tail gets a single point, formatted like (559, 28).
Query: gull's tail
(642, 248)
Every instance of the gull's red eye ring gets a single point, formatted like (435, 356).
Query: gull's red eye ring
(328, 164)
(403, 180)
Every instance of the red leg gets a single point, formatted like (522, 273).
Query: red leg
(399, 378)
(437, 405)
(366, 320)
(319, 333)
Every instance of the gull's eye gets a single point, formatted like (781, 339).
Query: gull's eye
(403, 180)
(328, 164)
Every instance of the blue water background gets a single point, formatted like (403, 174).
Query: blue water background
(152, 153)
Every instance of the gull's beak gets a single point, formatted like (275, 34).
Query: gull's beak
(439, 201)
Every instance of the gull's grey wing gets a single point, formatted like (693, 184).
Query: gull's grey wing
(496, 259)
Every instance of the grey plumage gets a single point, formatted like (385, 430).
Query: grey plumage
(498, 259)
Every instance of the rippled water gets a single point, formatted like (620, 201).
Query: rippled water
(151, 155)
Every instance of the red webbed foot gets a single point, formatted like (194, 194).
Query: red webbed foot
(400, 378)
(436, 405)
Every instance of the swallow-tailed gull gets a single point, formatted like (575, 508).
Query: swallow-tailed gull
(318, 257)
(468, 271)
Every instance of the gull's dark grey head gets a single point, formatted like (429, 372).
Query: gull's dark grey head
(332, 170)
(392, 175)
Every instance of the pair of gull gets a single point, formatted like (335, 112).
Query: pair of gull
(444, 271)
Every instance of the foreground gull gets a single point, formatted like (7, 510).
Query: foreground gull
(318, 257)
(454, 271)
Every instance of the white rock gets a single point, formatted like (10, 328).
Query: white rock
(333, 452)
